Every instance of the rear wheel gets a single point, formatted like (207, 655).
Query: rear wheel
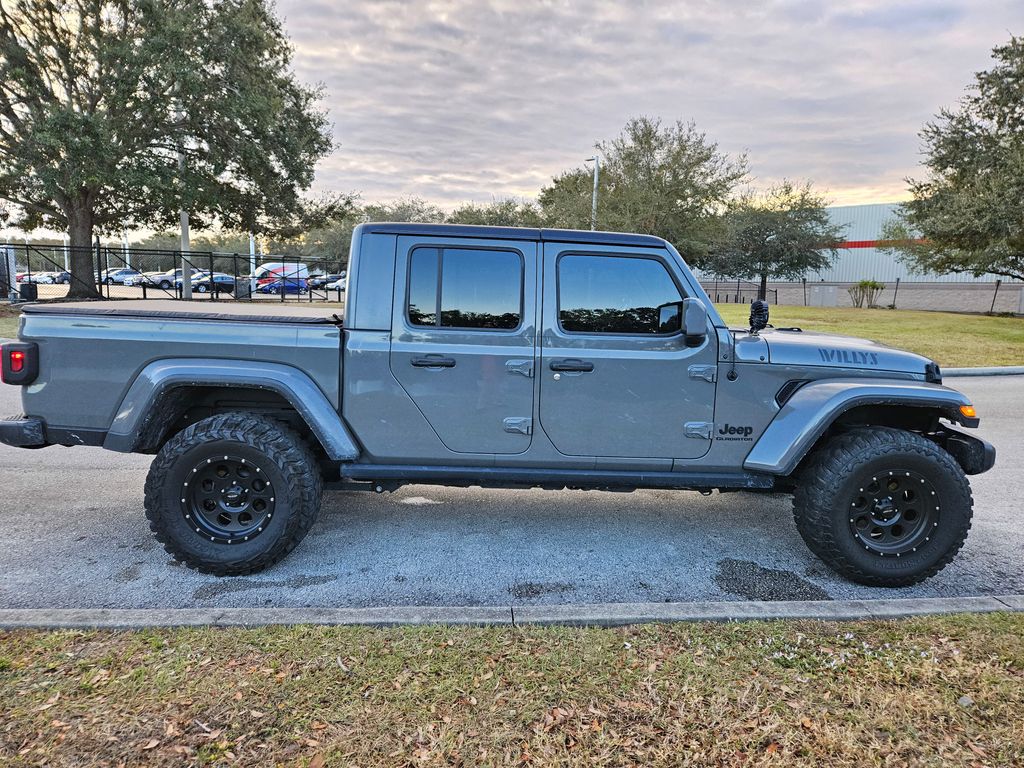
(883, 507)
(233, 494)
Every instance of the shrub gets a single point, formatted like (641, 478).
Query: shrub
(866, 291)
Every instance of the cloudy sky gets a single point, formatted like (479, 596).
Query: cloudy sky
(462, 100)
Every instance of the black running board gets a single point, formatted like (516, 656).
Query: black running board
(503, 477)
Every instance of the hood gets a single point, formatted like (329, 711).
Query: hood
(791, 347)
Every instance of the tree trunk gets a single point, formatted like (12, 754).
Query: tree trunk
(83, 281)
(763, 291)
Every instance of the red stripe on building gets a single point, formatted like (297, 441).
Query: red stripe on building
(872, 243)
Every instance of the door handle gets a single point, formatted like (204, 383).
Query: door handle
(579, 366)
(433, 361)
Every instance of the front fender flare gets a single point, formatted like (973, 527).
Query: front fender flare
(292, 384)
(815, 406)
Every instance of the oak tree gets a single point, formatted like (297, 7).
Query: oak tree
(117, 113)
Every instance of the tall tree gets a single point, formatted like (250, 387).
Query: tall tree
(506, 212)
(666, 180)
(783, 233)
(967, 215)
(100, 98)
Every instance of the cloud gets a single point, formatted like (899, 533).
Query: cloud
(458, 100)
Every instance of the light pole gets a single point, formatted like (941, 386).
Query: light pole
(186, 267)
(593, 200)
(252, 264)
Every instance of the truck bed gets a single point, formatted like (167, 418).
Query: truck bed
(91, 351)
(227, 310)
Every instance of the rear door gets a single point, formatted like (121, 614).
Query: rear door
(464, 336)
(611, 384)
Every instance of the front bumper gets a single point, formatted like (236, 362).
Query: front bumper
(972, 453)
(22, 432)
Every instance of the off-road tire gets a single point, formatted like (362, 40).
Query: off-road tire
(285, 459)
(831, 478)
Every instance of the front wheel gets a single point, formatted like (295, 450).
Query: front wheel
(883, 507)
(233, 494)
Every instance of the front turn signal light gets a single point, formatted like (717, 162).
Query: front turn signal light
(968, 411)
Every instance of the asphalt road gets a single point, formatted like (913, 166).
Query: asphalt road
(72, 534)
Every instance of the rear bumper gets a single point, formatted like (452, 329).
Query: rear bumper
(22, 432)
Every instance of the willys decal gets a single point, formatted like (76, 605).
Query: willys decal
(848, 356)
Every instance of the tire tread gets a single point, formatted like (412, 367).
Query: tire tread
(825, 470)
(282, 445)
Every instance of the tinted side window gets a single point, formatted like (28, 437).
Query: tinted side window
(423, 271)
(612, 294)
(478, 288)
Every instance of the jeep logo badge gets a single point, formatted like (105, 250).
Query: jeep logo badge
(729, 432)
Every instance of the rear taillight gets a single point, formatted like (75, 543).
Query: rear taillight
(19, 362)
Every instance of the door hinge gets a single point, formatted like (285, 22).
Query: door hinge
(524, 367)
(519, 424)
(707, 372)
(698, 429)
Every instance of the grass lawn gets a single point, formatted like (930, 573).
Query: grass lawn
(8, 322)
(928, 691)
(953, 340)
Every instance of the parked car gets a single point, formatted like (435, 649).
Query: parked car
(167, 280)
(282, 286)
(62, 278)
(118, 276)
(337, 285)
(196, 275)
(502, 357)
(19, 277)
(144, 278)
(317, 282)
(206, 283)
(270, 271)
(40, 278)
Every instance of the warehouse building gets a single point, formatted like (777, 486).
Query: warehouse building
(861, 259)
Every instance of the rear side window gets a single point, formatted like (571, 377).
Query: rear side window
(465, 288)
(612, 294)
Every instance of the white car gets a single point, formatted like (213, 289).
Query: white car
(337, 285)
(140, 279)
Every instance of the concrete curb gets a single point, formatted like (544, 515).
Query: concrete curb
(603, 614)
(1003, 370)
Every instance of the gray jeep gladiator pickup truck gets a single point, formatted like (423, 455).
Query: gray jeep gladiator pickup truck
(499, 357)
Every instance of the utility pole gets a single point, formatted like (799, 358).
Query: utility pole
(593, 201)
(252, 264)
(186, 268)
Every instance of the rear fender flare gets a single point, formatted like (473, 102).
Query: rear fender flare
(814, 408)
(293, 385)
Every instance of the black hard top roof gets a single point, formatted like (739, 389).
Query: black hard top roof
(515, 233)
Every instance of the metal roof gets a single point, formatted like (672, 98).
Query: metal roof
(515, 233)
(860, 257)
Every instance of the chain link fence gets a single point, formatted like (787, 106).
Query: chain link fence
(49, 272)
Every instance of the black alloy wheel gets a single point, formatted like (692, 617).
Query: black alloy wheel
(228, 499)
(894, 513)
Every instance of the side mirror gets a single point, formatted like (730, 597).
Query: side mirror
(670, 317)
(689, 316)
(695, 322)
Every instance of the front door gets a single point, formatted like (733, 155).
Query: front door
(612, 384)
(463, 338)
